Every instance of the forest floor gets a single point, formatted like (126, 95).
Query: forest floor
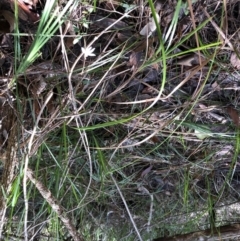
(119, 120)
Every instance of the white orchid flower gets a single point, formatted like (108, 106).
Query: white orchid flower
(88, 52)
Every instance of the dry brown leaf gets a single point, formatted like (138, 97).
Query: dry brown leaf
(36, 107)
(51, 106)
(146, 171)
(190, 60)
(32, 3)
(143, 44)
(125, 36)
(150, 27)
(7, 22)
(69, 40)
(111, 4)
(150, 54)
(235, 61)
(135, 59)
(103, 22)
(182, 26)
(149, 91)
(24, 10)
(165, 21)
(216, 86)
(203, 107)
(234, 115)
(38, 85)
(155, 139)
(225, 150)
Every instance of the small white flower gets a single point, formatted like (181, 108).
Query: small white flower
(88, 51)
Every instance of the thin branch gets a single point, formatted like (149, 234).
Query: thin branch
(53, 202)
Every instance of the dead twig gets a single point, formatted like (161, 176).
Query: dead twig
(53, 202)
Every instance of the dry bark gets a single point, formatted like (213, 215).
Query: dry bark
(228, 232)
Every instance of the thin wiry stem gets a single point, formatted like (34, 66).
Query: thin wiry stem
(26, 161)
(128, 211)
